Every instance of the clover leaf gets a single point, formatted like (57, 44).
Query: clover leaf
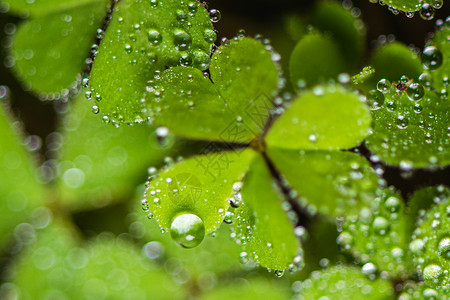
(143, 39)
(20, 191)
(411, 123)
(59, 33)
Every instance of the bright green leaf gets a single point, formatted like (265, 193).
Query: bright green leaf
(261, 225)
(413, 5)
(207, 257)
(412, 134)
(101, 164)
(330, 17)
(315, 59)
(142, 40)
(199, 186)
(49, 51)
(393, 61)
(378, 237)
(20, 192)
(329, 182)
(431, 242)
(191, 107)
(44, 7)
(246, 76)
(255, 289)
(333, 119)
(345, 283)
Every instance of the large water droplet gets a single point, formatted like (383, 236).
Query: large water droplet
(188, 230)
(415, 91)
(427, 12)
(383, 85)
(182, 40)
(214, 15)
(210, 35)
(444, 247)
(432, 272)
(154, 37)
(431, 58)
(380, 225)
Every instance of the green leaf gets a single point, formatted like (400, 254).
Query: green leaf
(440, 74)
(431, 242)
(100, 164)
(345, 282)
(255, 288)
(328, 118)
(412, 5)
(378, 236)
(421, 201)
(142, 40)
(207, 257)
(191, 107)
(412, 134)
(261, 225)
(49, 51)
(329, 182)
(55, 266)
(234, 109)
(315, 59)
(44, 7)
(20, 192)
(392, 61)
(246, 76)
(199, 186)
(348, 32)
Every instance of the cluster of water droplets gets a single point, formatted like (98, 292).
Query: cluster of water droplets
(427, 9)
(430, 242)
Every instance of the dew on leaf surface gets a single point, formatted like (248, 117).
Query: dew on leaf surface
(431, 58)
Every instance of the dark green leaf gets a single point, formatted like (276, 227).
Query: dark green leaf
(261, 225)
(142, 40)
(44, 7)
(49, 51)
(20, 192)
(348, 32)
(329, 182)
(329, 118)
(315, 59)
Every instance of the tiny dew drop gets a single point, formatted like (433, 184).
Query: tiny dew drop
(88, 95)
(214, 15)
(95, 109)
(154, 37)
(375, 99)
(402, 122)
(383, 85)
(431, 58)
(427, 12)
(85, 82)
(187, 230)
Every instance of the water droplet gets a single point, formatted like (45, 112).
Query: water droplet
(444, 247)
(402, 122)
(85, 82)
(228, 219)
(153, 3)
(201, 60)
(192, 7)
(375, 99)
(392, 204)
(427, 12)
(368, 268)
(188, 230)
(95, 109)
(415, 91)
(185, 60)
(425, 79)
(181, 15)
(383, 86)
(432, 272)
(88, 95)
(312, 138)
(214, 15)
(437, 4)
(154, 37)
(210, 35)
(182, 40)
(380, 225)
(431, 58)
(128, 48)
(279, 273)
